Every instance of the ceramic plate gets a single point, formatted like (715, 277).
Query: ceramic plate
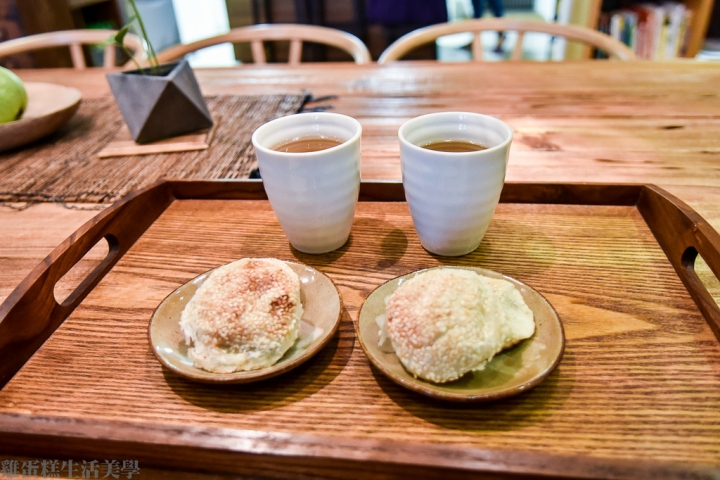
(49, 107)
(321, 304)
(512, 371)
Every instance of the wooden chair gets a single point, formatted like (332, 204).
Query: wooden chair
(74, 39)
(297, 34)
(425, 35)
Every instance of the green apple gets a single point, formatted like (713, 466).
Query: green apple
(13, 97)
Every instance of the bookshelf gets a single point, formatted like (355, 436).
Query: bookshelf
(587, 12)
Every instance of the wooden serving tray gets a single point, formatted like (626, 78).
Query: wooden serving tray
(636, 395)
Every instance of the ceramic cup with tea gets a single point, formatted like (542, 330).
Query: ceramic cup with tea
(453, 170)
(310, 166)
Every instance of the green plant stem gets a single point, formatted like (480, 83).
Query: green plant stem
(129, 53)
(152, 57)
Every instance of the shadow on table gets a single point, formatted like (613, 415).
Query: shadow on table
(511, 248)
(289, 387)
(380, 242)
(520, 411)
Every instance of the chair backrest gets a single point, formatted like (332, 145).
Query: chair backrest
(74, 39)
(425, 35)
(256, 34)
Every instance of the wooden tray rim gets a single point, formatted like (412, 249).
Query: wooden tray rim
(235, 450)
(680, 232)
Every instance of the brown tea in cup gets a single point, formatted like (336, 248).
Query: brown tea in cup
(454, 146)
(307, 144)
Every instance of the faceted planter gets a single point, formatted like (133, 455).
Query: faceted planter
(160, 104)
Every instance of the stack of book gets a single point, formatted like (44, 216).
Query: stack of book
(653, 31)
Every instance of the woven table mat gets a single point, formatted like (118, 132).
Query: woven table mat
(65, 168)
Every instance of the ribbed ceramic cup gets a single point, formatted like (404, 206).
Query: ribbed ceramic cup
(453, 195)
(313, 194)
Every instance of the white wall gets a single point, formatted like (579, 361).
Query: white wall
(159, 19)
(198, 19)
(546, 9)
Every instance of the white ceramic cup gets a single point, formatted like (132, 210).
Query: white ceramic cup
(452, 196)
(313, 194)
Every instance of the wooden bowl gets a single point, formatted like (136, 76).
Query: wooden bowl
(510, 372)
(322, 308)
(49, 107)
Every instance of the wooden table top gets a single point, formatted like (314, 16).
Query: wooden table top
(624, 122)
(575, 122)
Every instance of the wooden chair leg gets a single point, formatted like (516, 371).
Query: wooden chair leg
(477, 47)
(518, 50)
(295, 54)
(109, 57)
(78, 57)
(258, 52)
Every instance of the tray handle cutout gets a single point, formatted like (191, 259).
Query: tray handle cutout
(702, 255)
(684, 236)
(707, 277)
(704, 280)
(31, 313)
(75, 284)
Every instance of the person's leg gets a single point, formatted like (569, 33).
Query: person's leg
(497, 7)
(478, 8)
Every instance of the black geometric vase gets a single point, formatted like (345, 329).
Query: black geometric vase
(160, 104)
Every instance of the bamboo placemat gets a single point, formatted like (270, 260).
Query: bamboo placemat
(65, 167)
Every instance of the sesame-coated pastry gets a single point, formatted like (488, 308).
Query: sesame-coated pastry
(245, 316)
(446, 322)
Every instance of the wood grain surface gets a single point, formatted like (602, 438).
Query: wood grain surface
(634, 336)
(647, 122)
(640, 122)
(67, 166)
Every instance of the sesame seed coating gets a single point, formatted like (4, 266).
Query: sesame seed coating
(244, 316)
(446, 322)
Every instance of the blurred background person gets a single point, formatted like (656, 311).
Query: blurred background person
(497, 9)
